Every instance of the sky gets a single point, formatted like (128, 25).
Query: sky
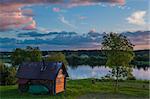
(80, 16)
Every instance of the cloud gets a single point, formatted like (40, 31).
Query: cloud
(30, 1)
(56, 9)
(31, 26)
(13, 16)
(93, 2)
(82, 17)
(64, 21)
(124, 7)
(69, 40)
(27, 12)
(37, 34)
(93, 30)
(71, 2)
(113, 1)
(137, 18)
(139, 38)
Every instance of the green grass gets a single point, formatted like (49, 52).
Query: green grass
(84, 89)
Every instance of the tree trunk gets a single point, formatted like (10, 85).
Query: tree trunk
(116, 83)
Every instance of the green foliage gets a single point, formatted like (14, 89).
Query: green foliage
(7, 75)
(28, 54)
(34, 54)
(2, 67)
(116, 42)
(119, 58)
(74, 60)
(57, 57)
(123, 73)
(18, 56)
(119, 52)
(11, 78)
(3, 73)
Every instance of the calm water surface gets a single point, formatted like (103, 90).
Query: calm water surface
(83, 71)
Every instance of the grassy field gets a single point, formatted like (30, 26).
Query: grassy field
(84, 89)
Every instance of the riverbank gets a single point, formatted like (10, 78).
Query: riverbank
(81, 89)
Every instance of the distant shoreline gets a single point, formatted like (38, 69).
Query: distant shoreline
(72, 50)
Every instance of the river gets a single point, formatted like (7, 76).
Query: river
(85, 71)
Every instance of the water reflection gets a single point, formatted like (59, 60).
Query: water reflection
(145, 68)
(143, 74)
(86, 71)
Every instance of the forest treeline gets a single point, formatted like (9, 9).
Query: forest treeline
(90, 57)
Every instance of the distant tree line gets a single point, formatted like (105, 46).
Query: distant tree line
(75, 60)
(141, 59)
(98, 57)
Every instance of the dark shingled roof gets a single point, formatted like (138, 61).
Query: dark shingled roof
(40, 70)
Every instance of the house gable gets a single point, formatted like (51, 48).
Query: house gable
(60, 81)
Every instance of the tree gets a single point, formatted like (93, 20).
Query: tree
(119, 52)
(18, 56)
(24, 55)
(34, 54)
(7, 75)
(57, 57)
(3, 73)
(11, 78)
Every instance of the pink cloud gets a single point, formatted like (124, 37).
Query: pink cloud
(114, 1)
(27, 12)
(30, 1)
(12, 16)
(80, 2)
(82, 17)
(141, 47)
(93, 2)
(56, 9)
(30, 26)
(93, 30)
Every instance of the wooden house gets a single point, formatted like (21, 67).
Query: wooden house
(51, 75)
